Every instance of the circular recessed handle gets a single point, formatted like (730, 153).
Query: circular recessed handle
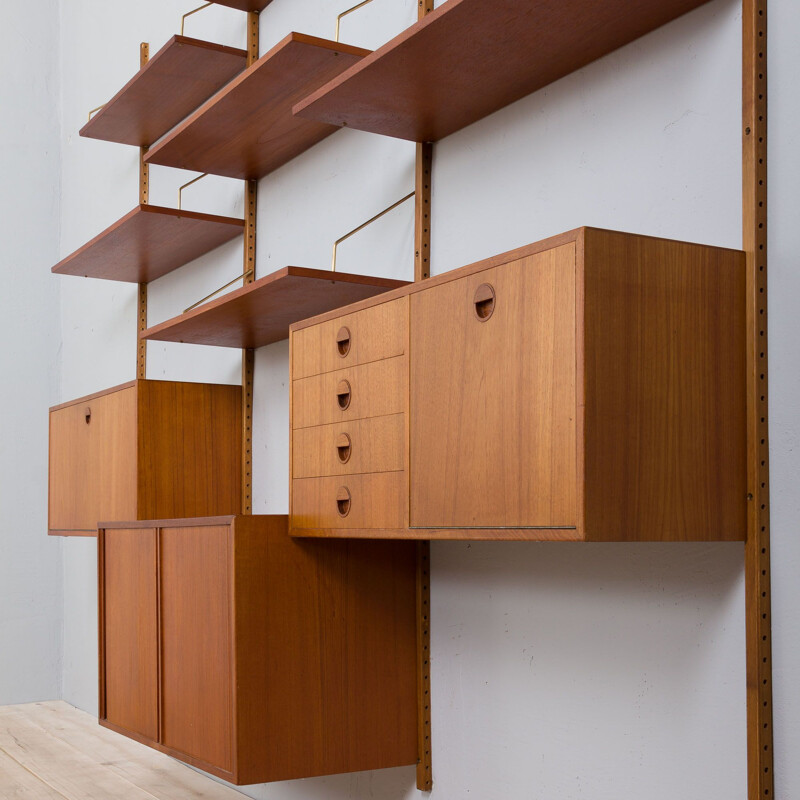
(484, 301)
(343, 341)
(343, 501)
(88, 414)
(344, 447)
(343, 394)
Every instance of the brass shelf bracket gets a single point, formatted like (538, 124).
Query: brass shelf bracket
(217, 291)
(187, 185)
(193, 11)
(364, 225)
(94, 111)
(345, 13)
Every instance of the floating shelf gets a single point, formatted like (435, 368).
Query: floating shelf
(469, 58)
(248, 129)
(183, 74)
(149, 242)
(261, 312)
(245, 5)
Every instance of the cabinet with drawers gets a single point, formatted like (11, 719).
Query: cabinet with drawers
(587, 387)
(144, 450)
(255, 657)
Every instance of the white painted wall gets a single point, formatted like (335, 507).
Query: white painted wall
(30, 562)
(559, 671)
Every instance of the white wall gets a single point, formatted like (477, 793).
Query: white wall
(559, 671)
(30, 561)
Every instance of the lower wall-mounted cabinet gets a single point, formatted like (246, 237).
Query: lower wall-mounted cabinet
(145, 450)
(256, 657)
(588, 387)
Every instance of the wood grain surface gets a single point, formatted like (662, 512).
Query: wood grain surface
(149, 242)
(469, 58)
(184, 73)
(260, 313)
(247, 130)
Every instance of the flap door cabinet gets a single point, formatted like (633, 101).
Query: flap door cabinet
(254, 656)
(588, 387)
(145, 450)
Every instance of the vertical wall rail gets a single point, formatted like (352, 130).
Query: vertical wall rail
(144, 197)
(422, 270)
(757, 553)
(248, 356)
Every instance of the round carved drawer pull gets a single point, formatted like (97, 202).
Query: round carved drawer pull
(343, 395)
(344, 447)
(484, 301)
(343, 341)
(88, 414)
(343, 501)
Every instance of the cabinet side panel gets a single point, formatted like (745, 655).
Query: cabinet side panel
(196, 644)
(190, 453)
(665, 430)
(93, 462)
(130, 631)
(493, 401)
(326, 654)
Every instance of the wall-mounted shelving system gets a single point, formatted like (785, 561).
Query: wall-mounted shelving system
(456, 65)
(149, 242)
(248, 130)
(261, 312)
(183, 74)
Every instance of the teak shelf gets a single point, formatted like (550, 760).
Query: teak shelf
(469, 58)
(261, 312)
(248, 129)
(245, 5)
(149, 242)
(183, 74)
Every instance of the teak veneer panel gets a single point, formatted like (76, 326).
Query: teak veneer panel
(469, 58)
(149, 242)
(261, 312)
(280, 659)
(183, 74)
(603, 400)
(248, 130)
(149, 449)
(244, 5)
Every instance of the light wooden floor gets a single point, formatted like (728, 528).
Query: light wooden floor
(52, 751)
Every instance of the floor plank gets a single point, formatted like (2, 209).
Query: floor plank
(17, 783)
(68, 750)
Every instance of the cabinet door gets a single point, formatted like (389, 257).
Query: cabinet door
(492, 397)
(196, 644)
(129, 630)
(93, 462)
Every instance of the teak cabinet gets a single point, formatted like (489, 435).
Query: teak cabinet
(256, 657)
(588, 387)
(145, 450)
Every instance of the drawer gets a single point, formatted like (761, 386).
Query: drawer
(373, 334)
(376, 444)
(370, 390)
(352, 501)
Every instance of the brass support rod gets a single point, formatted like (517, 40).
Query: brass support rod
(345, 13)
(364, 225)
(186, 186)
(193, 11)
(94, 111)
(217, 291)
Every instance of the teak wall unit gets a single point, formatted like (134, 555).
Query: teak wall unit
(593, 387)
(257, 658)
(144, 450)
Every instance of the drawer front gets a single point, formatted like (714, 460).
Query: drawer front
(351, 501)
(370, 390)
(370, 335)
(93, 462)
(376, 444)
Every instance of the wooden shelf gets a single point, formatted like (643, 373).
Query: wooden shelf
(245, 5)
(149, 242)
(469, 58)
(183, 74)
(248, 129)
(261, 312)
